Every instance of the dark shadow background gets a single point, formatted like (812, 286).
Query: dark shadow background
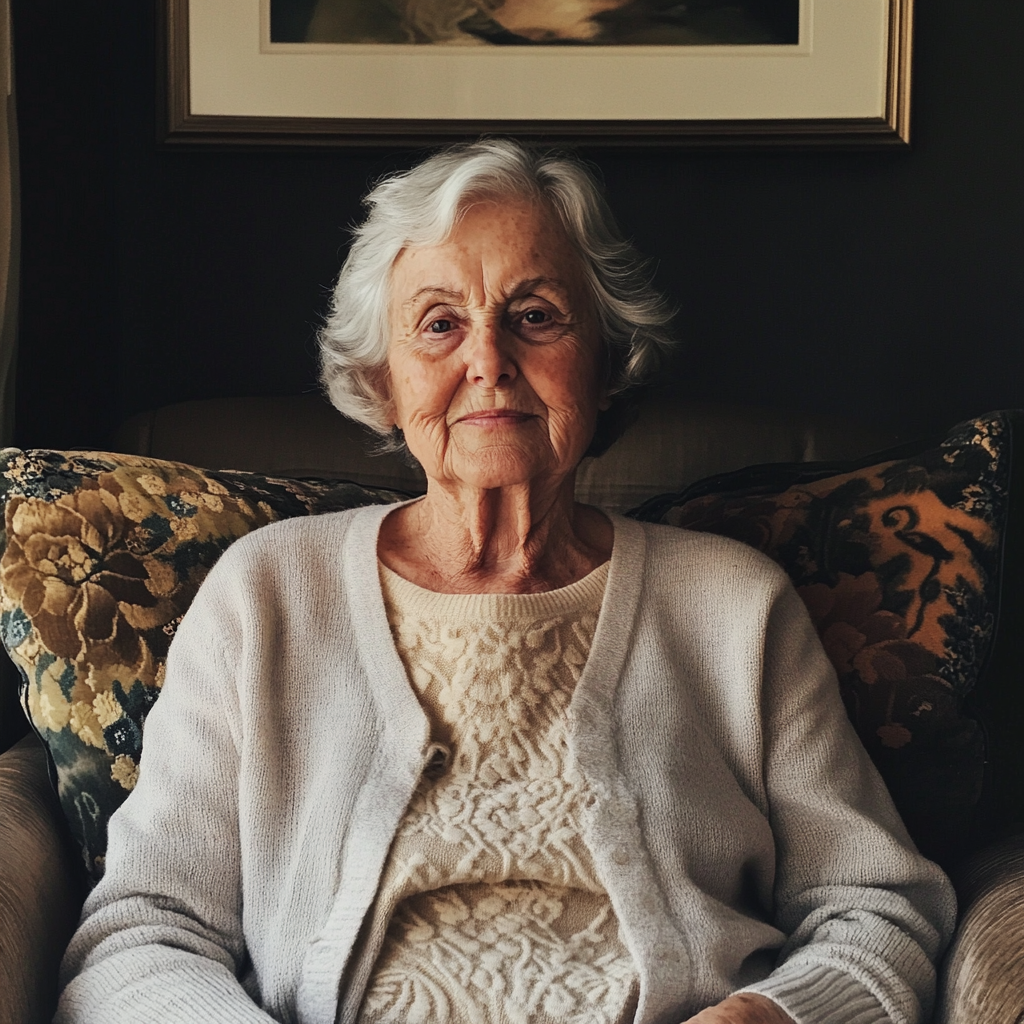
(880, 285)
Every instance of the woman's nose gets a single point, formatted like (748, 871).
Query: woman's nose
(488, 361)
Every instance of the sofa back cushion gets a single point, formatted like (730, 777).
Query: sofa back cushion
(673, 443)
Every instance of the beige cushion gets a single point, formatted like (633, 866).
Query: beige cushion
(983, 976)
(294, 436)
(39, 901)
(672, 444)
(675, 443)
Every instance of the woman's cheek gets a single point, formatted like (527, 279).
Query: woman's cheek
(418, 391)
(570, 431)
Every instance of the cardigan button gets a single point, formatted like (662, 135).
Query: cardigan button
(439, 757)
(620, 855)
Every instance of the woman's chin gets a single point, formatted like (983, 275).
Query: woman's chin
(498, 468)
(493, 480)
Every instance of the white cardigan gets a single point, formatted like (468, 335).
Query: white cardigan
(740, 829)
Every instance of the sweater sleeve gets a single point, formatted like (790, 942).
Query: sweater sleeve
(867, 916)
(161, 935)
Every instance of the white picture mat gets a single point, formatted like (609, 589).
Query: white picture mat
(838, 71)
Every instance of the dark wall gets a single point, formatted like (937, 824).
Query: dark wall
(884, 285)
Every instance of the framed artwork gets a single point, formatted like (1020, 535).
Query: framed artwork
(698, 73)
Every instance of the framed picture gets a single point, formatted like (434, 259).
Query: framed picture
(698, 73)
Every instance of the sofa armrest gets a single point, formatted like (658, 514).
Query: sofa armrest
(983, 978)
(39, 897)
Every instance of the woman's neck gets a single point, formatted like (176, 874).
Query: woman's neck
(509, 540)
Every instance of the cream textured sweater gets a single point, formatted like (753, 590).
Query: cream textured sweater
(738, 826)
(490, 909)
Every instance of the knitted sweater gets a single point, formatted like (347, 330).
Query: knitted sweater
(738, 826)
(490, 909)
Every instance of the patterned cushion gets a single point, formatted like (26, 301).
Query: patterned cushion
(104, 554)
(898, 559)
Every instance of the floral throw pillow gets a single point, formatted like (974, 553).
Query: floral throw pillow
(899, 560)
(103, 556)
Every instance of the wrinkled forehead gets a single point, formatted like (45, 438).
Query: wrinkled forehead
(504, 242)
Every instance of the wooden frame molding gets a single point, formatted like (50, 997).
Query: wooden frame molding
(180, 127)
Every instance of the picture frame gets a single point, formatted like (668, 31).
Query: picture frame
(846, 84)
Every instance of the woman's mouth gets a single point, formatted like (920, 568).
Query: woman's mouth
(494, 418)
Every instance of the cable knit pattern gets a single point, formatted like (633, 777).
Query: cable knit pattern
(492, 907)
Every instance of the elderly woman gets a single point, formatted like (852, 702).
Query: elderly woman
(491, 755)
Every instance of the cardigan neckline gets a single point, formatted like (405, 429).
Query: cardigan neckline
(587, 592)
(595, 690)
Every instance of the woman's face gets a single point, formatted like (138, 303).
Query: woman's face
(496, 365)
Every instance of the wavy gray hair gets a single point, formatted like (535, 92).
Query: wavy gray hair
(421, 206)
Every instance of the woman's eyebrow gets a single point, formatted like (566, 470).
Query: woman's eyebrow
(531, 285)
(432, 291)
(518, 290)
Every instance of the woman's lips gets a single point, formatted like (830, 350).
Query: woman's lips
(494, 418)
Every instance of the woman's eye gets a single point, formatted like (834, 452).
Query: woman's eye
(441, 327)
(535, 316)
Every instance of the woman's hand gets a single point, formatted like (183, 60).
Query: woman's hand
(745, 1008)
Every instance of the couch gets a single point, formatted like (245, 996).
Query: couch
(941, 722)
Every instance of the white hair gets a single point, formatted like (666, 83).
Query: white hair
(421, 207)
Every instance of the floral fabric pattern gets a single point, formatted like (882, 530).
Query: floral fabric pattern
(898, 563)
(103, 555)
